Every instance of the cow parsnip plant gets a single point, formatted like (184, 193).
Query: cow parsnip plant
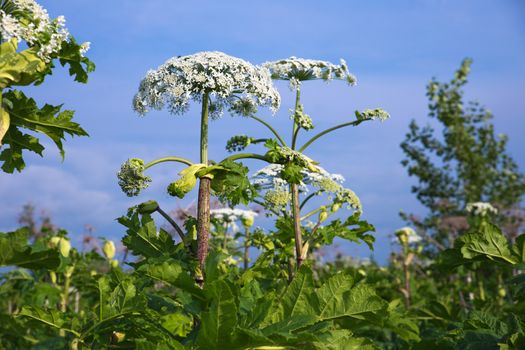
(24, 23)
(217, 81)
(294, 164)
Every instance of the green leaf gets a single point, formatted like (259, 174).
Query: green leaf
(14, 251)
(171, 272)
(488, 242)
(25, 114)
(5, 121)
(220, 320)
(519, 248)
(51, 318)
(186, 182)
(19, 68)
(79, 66)
(142, 237)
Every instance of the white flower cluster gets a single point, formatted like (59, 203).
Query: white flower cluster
(407, 235)
(229, 80)
(299, 69)
(481, 208)
(277, 195)
(27, 20)
(229, 217)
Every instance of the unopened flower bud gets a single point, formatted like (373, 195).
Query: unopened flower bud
(109, 249)
(148, 207)
(53, 242)
(323, 215)
(64, 247)
(53, 277)
(114, 263)
(335, 207)
(247, 221)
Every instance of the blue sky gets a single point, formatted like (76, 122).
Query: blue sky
(393, 47)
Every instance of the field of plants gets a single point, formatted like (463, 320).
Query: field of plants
(209, 277)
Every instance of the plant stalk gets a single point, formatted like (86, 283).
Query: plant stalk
(203, 206)
(246, 247)
(294, 189)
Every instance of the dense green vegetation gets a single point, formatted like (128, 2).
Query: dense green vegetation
(213, 279)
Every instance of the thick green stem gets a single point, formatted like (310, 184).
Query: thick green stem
(65, 292)
(294, 189)
(295, 130)
(309, 142)
(408, 292)
(65, 298)
(203, 206)
(246, 247)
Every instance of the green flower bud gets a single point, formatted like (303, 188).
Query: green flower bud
(323, 215)
(53, 276)
(109, 249)
(64, 247)
(502, 292)
(148, 207)
(114, 263)
(53, 242)
(187, 181)
(238, 143)
(131, 177)
(335, 207)
(247, 221)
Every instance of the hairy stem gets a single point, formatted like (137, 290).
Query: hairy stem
(203, 206)
(296, 216)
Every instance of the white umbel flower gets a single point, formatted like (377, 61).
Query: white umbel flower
(230, 81)
(27, 20)
(269, 181)
(296, 70)
(481, 208)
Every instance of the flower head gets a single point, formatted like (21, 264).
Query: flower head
(277, 196)
(131, 177)
(407, 236)
(225, 78)
(27, 20)
(230, 217)
(296, 70)
(481, 209)
(372, 114)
